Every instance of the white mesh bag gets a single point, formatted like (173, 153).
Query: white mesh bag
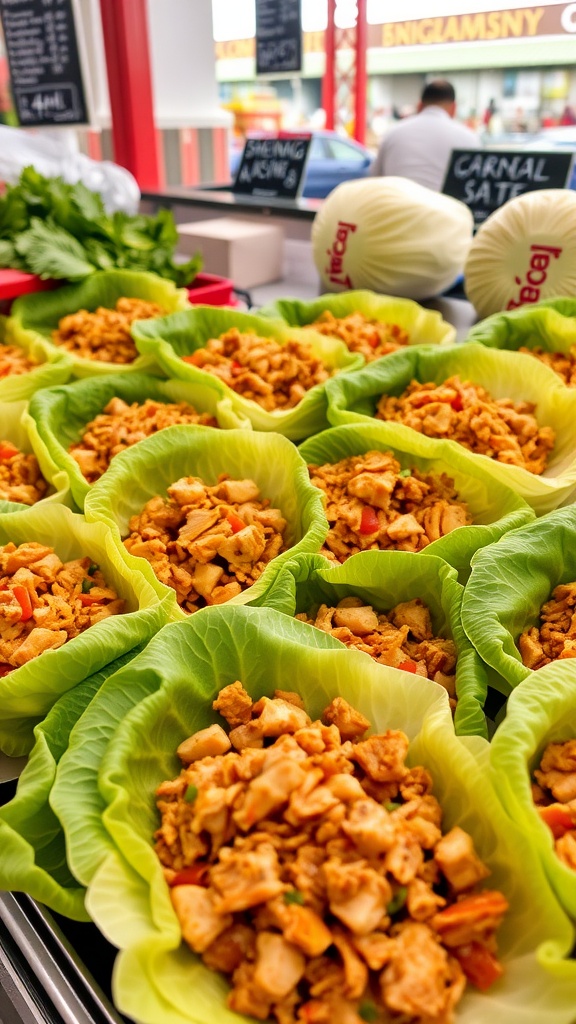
(392, 236)
(525, 251)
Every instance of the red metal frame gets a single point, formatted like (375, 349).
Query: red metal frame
(344, 86)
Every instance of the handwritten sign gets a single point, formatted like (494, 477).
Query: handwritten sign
(273, 168)
(44, 63)
(485, 179)
(278, 36)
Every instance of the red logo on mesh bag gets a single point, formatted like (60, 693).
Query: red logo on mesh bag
(335, 268)
(535, 276)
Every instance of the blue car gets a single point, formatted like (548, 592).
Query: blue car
(562, 138)
(333, 159)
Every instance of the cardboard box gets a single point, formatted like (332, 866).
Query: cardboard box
(249, 254)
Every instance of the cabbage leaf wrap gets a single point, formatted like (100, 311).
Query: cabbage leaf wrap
(550, 325)
(27, 693)
(34, 317)
(353, 397)
(57, 417)
(32, 848)
(14, 427)
(384, 579)
(171, 338)
(424, 326)
(541, 710)
(54, 367)
(509, 583)
(494, 508)
(150, 467)
(128, 897)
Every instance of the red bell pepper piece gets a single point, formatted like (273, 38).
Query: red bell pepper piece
(23, 598)
(408, 666)
(369, 521)
(5, 669)
(8, 451)
(195, 875)
(457, 403)
(479, 965)
(235, 522)
(558, 819)
(87, 599)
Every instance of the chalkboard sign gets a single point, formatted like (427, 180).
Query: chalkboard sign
(42, 51)
(273, 168)
(278, 36)
(485, 179)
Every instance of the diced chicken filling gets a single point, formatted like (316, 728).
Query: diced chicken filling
(208, 542)
(461, 411)
(563, 363)
(372, 338)
(20, 476)
(554, 792)
(274, 376)
(402, 638)
(14, 361)
(45, 602)
(120, 425)
(555, 636)
(372, 504)
(104, 335)
(308, 864)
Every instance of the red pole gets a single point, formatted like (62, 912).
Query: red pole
(329, 80)
(360, 92)
(125, 28)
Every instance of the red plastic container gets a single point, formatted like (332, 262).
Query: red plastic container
(15, 282)
(211, 290)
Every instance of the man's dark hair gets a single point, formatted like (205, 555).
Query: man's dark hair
(438, 91)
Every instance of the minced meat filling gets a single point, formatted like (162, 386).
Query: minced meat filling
(120, 425)
(272, 375)
(208, 542)
(554, 793)
(460, 411)
(563, 363)
(555, 637)
(44, 602)
(401, 638)
(372, 504)
(104, 335)
(20, 476)
(309, 865)
(372, 338)
(14, 360)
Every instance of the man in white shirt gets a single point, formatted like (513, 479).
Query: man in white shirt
(419, 147)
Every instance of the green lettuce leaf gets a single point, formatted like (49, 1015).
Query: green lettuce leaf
(425, 326)
(27, 693)
(541, 710)
(53, 367)
(494, 508)
(549, 325)
(509, 583)
(14, 428)
(128, 897)
(34, 317)
(32, 848)
(168, 339)
(58, 416)
(52, 252)
(151, 466)
(353, 397)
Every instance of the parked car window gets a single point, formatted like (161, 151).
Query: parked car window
(318, 149)
(340, 150)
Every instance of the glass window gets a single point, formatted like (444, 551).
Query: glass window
(340, 150)
(318, 149)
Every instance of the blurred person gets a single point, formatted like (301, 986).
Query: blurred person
(568, 116)
(419, 147)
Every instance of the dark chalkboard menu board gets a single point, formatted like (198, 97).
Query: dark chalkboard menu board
(485, 179)
(273, 167)
(45, 72)
(278, 36)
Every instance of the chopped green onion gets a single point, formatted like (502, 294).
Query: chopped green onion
(191, 794)
(405, 472)
(87, 585)
(391, 806)
(293, 896)
(368, 1011)
(92, 569)
(398, 901)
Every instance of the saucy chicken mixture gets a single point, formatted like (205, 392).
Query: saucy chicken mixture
(44, 602)
(555, 637)
(460, 411)
(563, 363)
(402, 638)
(309, 865)
(208, 542)
(14, 360)
(20, 476)
(120, 425)
(372, 338)
(554, 792)
(272, 375)
(104, 335)
(372, 504)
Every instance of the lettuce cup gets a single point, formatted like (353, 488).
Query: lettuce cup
(32, 847)
(490, 508)
(512, 592)
(540, 712)
(59, 419)
(71, 605)
(129, 897)
(28, 475)
(67, 322)
(366, 322)
(209, 516)
(533, 425)
(420, 592)
(26, 365)
(288, 379)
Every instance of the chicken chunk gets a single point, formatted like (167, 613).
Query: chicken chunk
(245, 878)
(349, 722)
(200, 922)
(458, 861)
(206, 743)
(420, 979)
(357, 895)
(279, 965)
(234, 704)
(382, 757)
